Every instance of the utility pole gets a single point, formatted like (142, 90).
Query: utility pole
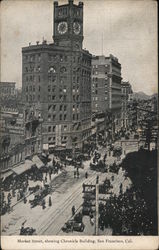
(97, 210)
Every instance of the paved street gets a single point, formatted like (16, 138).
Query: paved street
(66, 191)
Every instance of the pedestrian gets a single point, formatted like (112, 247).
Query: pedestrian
(75, 174)
(86, 175)
(73, 210)
(50, 175)
(50, 202)
(46, 178)
(25, 200)
(92, 220)
(97, 179)
(43, 204)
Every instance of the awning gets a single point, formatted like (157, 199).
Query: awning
(6, 174)
(36, 160)
(23, 167)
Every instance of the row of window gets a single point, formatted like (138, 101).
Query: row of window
(97, 72)
(32, 58)
(62, 107)
(61, 117)
(96, 66)
(75, 98)
(31, 78)
(64, 90)
(30, 98)
(96, 98)
(32, 69)
(32, 88)
(55, 57)
(53, 128)
(63, 139)
(53, 97)
(51, 78)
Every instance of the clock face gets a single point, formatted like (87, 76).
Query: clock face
(62, 27)
(76, 28)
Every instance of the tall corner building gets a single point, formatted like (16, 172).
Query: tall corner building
(106, 87)
(56, 80)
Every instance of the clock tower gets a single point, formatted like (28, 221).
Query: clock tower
(68, 25)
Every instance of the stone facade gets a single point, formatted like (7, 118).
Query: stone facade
(57, 80)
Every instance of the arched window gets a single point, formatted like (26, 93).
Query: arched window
(52, 70)
(63, 70)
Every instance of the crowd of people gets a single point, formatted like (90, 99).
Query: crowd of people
(17, 187)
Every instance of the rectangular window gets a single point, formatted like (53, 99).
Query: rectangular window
(49, 88)
(73, 117)
(39, 78)
(53, 117)
(60, 107)
(53, 128)
(49, 129)
(49, 107)
(54, 107)
(65, 107)
(60, 117)
(64, 117)
(53, 97)
(65, 127)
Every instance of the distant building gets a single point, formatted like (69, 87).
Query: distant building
(106, 87)
(57, 80)
(7, 89)
(126, 90)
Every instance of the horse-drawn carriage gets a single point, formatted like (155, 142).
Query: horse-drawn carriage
(99, 166)
(38, 198)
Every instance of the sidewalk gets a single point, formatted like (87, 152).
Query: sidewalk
(14, 201)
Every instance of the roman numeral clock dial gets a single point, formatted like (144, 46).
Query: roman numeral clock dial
(76, 28)
(62, 28)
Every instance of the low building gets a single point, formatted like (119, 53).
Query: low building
(7, 89)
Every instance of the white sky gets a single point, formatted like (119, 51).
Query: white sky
(129, 31)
